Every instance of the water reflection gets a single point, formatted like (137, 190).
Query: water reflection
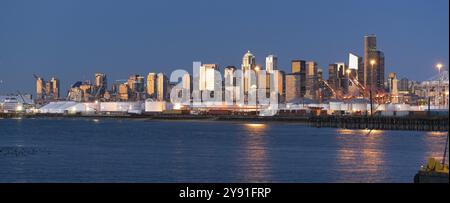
(358, 132)
(437, 133)
(435, 150)
(255, 128)
(359, 155)
(255, 164)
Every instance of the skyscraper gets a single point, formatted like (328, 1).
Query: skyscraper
(40, 88)
(136, 86)
(342, 77)
(391, 77)
(151, 85)
(207, 74)
(187, 84)
(280, 75)
(299, 66)
(356, 65)
(48, 89)
(373, 64)
(140, 84)
(101, 84)
(271, 63)
(230, 82)
(248, 64)
(333, 76)
(292, 87)
(163, 87)
(393, 87)
(319, 74)
(404, 84)
(124, 92)
(312, 85)
(55, 88)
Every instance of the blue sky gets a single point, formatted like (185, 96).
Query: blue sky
(74, 39)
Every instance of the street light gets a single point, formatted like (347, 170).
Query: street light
(257, 69)
(439, 67)
(372, 62)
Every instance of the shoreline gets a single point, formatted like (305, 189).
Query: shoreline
(409, 123)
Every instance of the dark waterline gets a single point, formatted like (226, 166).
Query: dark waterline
(110, 150)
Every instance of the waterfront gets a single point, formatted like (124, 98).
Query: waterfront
(141, 150)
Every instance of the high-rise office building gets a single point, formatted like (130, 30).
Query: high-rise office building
(248, 61)
(55, 88)
(357, 66)
(101, 84)
(319, 74)
(163, 87)
(124, 92)
(87, 90)
(312, 84)
(271, 63)
(280, 76)
(299, 66)
(140, 84)
(292, 87)
(392, 84)
(373, 64)
(379, 70)
(248, 64)
(40, 88)
(151, 85)
(48, 89)
(208, 77)
(391, 77)
(333, 76)
(115, 86)
(338, 77)
(230, 83)
(136, 85)
(187, 84)
(404, 84)
(343, 77)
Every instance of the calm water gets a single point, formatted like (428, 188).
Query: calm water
(91, 150)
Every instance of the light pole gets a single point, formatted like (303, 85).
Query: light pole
(372, 62)
(257, 69)
(439, 67)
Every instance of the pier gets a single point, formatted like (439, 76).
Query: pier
(411, 123)
(383, 123)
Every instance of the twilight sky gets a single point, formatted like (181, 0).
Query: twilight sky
(74, 39)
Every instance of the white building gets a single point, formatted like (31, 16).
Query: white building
(271, 63)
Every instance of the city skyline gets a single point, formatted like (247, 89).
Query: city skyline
(326, 48)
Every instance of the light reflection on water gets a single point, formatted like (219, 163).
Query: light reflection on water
(434, 151)
(363, 159)
(255, 163)
(84, 150)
